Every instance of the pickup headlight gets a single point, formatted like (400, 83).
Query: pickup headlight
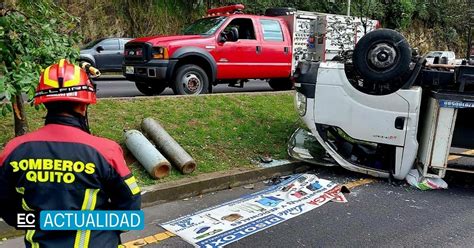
(160, 53)
(300, 103)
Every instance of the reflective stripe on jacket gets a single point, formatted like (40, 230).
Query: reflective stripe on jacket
(61, 167)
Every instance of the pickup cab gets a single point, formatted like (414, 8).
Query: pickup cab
(437, 57)
(226, 47)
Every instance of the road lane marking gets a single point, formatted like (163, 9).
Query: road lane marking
(156, 238)
(364, 181)
(454, 157)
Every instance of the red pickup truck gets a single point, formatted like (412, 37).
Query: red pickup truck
(227, 47)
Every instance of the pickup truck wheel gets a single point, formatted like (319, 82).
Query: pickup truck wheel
(281, 84)
(190, 80)
(381, 56)
(150, 89)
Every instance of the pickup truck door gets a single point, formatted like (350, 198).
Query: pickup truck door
(110, 57)
(275, 50)
(238, 59)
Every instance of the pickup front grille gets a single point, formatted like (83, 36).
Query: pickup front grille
(137, 52)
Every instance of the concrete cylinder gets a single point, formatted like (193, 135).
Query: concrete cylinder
(179, 158)
(148, 156)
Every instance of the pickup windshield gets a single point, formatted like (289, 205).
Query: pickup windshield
(205, 26)
(92, 44)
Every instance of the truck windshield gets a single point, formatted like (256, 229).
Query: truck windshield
(205, 26)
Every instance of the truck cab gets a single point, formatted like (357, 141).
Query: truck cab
(223, 47)
(384, 112)
(230, 47)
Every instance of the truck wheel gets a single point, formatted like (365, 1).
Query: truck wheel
(190, 80)
(281, 84)
(281, 11)
(382, 55)
(150, 89)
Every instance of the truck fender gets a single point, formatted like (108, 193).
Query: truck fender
(195, 51)
(88, 58)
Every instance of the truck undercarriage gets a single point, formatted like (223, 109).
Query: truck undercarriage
(385, 112)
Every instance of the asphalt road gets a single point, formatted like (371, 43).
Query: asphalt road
(376, 215)
(118, 87)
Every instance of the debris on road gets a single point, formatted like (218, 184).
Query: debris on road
(273, 163)
(415, 179)
(275, 180)
(149, 157)
(228, 222)
(266, 159)
(249, 186)
(170, 148)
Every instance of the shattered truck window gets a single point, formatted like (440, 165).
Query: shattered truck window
(205, 26)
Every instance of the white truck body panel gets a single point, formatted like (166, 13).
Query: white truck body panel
(318, 36)
(436, 137)
(337, 33)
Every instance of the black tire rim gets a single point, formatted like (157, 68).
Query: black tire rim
(382, 56)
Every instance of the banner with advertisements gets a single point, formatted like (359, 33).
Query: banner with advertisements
(228, 222)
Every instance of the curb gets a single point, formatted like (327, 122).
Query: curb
(195, 96)
(210, 182)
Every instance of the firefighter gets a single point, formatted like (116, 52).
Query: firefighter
(62, 166)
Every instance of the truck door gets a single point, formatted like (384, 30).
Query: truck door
(370, 123)
(109, 55)
(239, 59)
(275, 50)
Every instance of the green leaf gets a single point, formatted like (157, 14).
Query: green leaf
(2, 84)
(4, 110)
(9, 107)
(8, 95)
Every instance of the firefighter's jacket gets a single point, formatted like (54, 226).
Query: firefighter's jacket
(61, 167)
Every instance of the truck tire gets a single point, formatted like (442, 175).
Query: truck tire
(280, 84)
(281, 11)
(381, 56)
(190, 79)
(150, 89)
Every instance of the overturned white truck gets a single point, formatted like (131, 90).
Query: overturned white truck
(383, 111)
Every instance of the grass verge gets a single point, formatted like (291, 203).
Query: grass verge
(220, 131)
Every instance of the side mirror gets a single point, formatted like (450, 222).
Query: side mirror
(99, 49)
(234, 34)
(231, 35)
(222, 37)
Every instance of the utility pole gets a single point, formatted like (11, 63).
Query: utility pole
(348, 7)
(469, 37)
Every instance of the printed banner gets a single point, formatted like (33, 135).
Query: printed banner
(226, 223)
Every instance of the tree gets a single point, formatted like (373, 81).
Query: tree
(34, 34)
(367, 9)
